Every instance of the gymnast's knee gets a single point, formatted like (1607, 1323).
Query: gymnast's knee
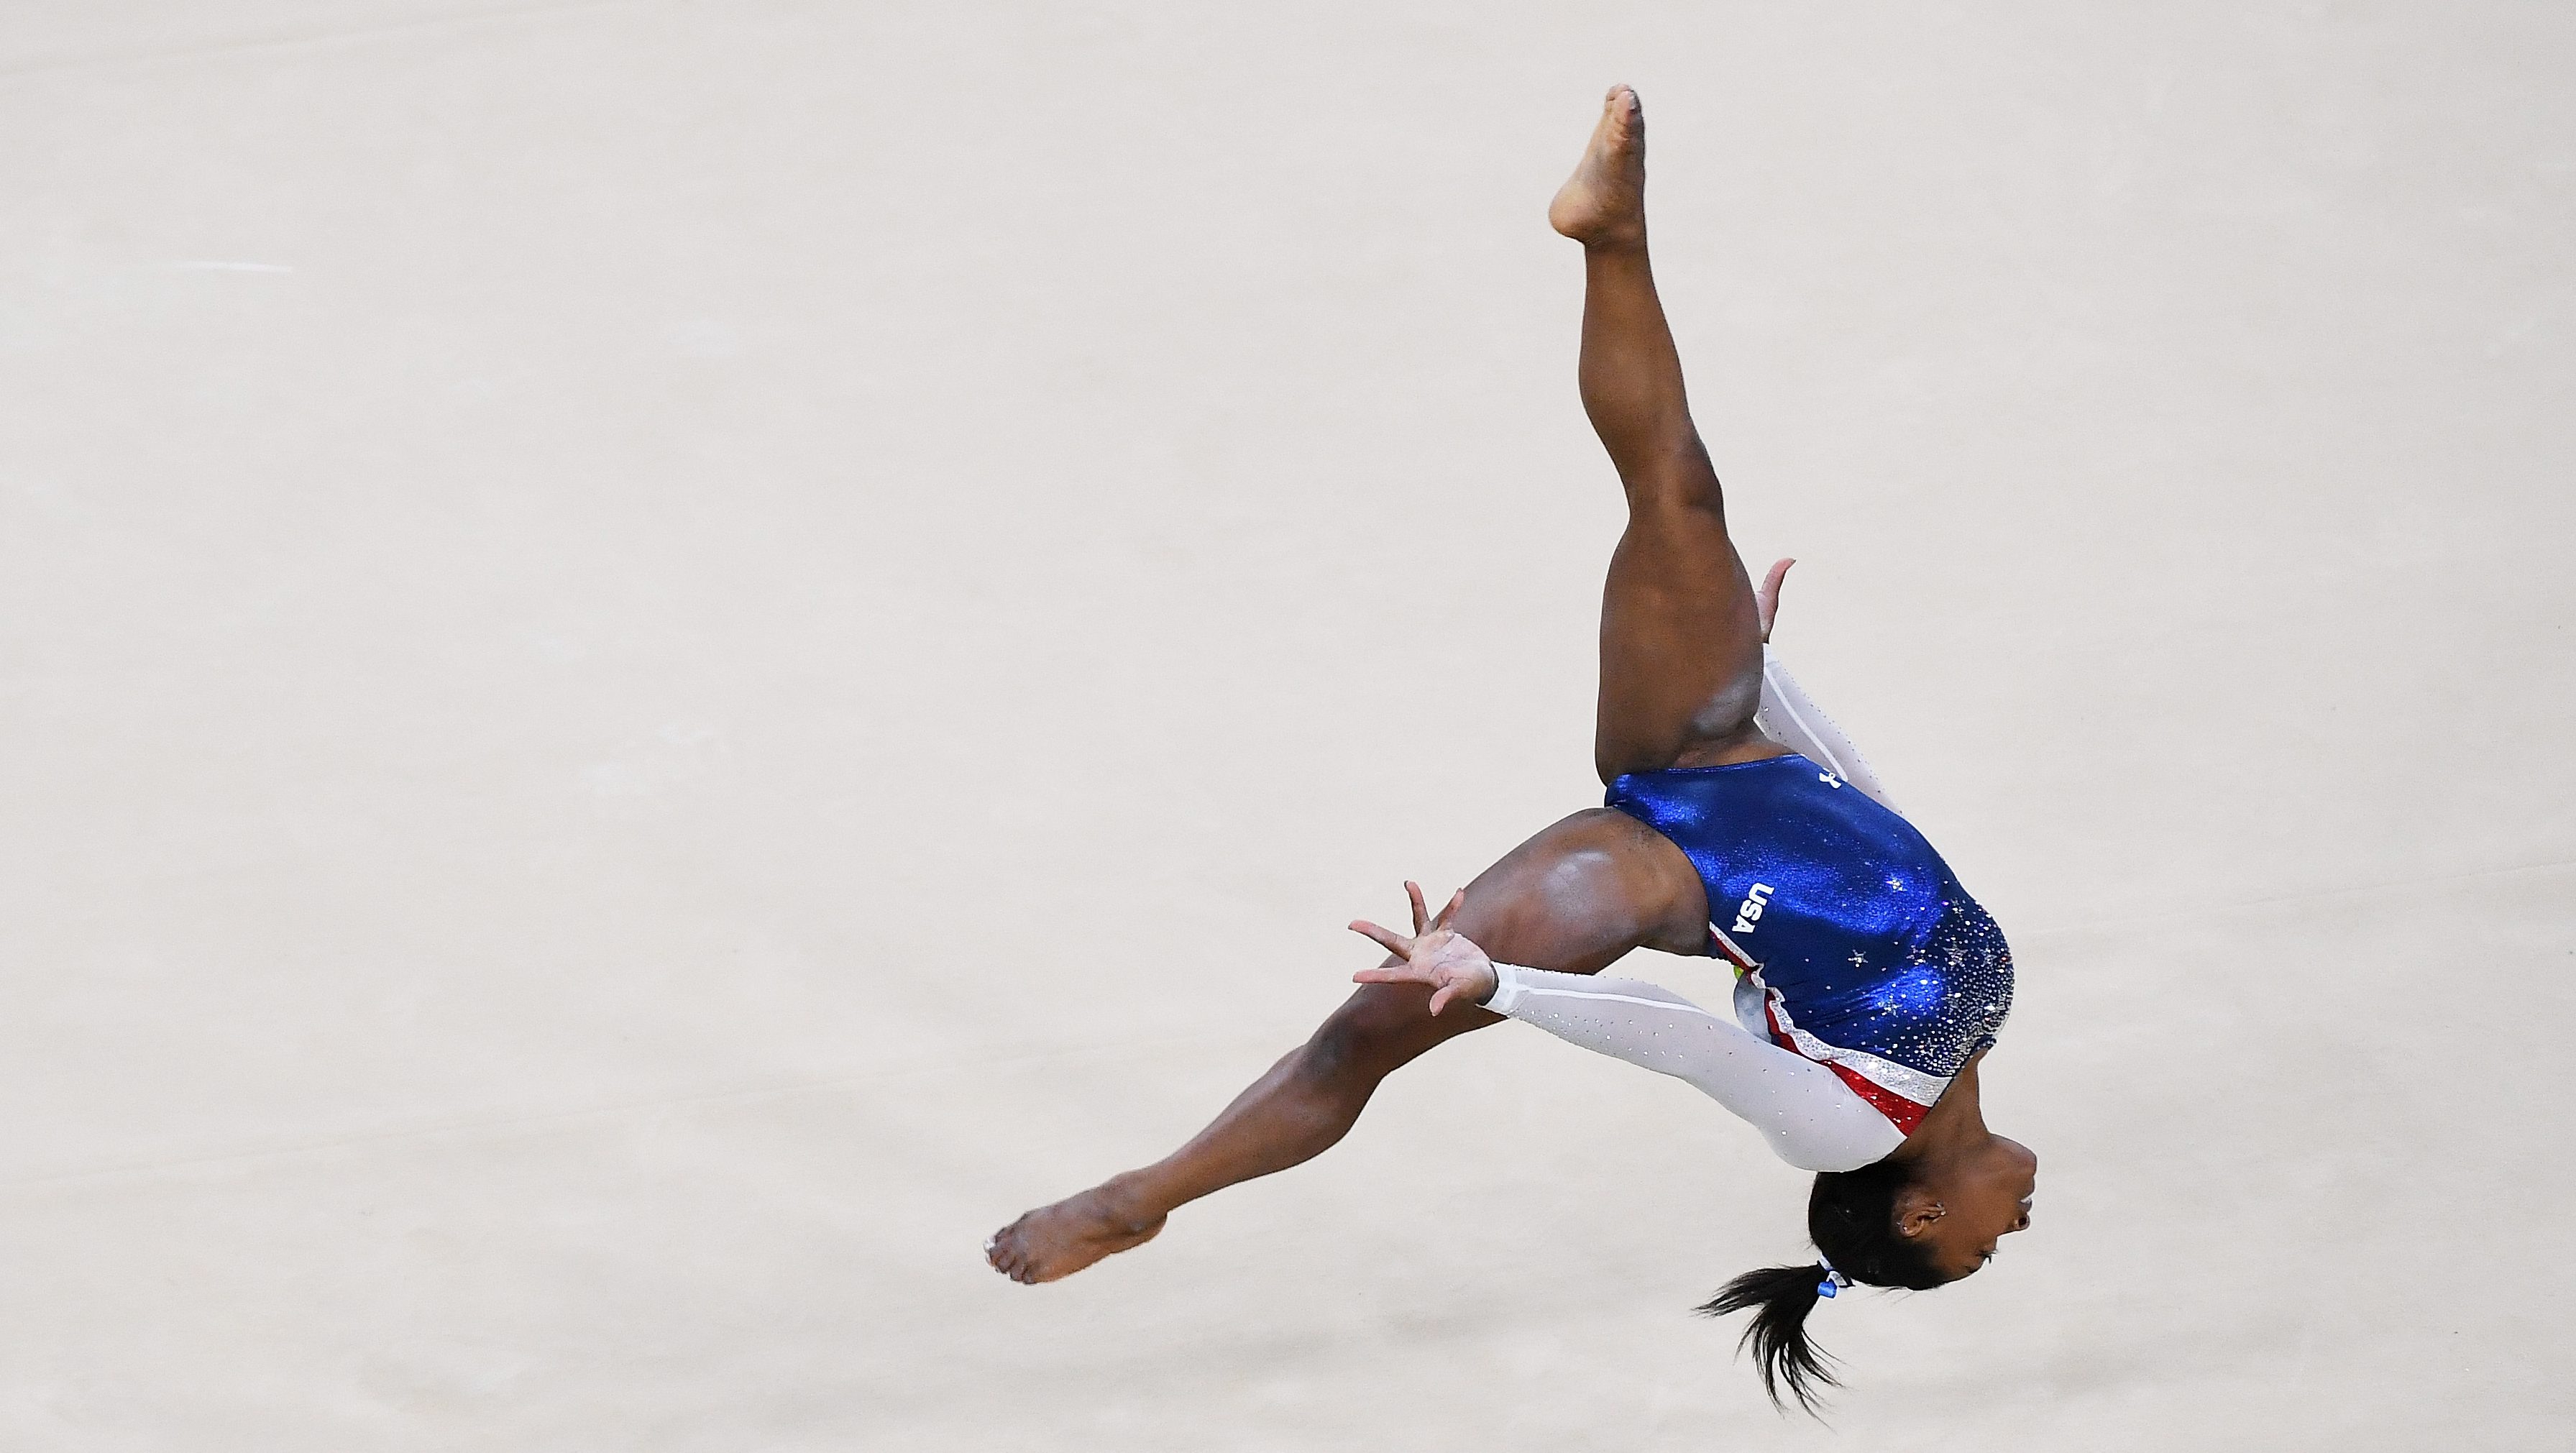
(1675, 475)
(1374, 1031)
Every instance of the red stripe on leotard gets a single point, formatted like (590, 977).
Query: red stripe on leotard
(1901, 1112)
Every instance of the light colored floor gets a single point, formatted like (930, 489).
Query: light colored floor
(657, 661)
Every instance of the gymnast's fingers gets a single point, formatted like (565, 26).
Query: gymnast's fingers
(1387, 938)
(1456, 900)
(1766, 601)
(1421, 913)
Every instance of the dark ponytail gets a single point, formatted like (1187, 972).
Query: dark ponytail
(1781, 1297)
(1851, 1216)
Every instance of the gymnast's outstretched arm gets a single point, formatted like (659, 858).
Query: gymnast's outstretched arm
(1811, 1118)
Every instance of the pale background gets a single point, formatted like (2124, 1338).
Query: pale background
(658, 661)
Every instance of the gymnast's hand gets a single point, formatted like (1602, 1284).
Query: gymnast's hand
(1453, 966)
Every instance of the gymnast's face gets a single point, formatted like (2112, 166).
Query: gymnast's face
(1973, 1204)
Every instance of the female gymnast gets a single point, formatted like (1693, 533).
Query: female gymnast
(1739, 823)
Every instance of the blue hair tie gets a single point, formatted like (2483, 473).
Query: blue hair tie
(1834, 1280)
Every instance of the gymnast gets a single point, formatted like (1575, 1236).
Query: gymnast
(1741, 823)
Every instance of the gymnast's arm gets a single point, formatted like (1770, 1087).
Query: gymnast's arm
(1811, 1118)
(1791, 717)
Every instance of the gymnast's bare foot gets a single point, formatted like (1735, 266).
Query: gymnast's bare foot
(1604, 203)
(1059, 1240)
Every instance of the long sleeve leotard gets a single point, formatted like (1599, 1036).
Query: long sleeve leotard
(1811, 1116)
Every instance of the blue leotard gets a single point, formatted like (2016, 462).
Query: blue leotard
(1856, 945)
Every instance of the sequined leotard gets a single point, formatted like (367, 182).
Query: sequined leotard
(1866, 976)
(1856, 945)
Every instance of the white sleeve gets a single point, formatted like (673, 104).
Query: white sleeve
(1791, 717)
(1812, 1119)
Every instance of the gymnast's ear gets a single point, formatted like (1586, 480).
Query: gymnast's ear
(1917, 1209)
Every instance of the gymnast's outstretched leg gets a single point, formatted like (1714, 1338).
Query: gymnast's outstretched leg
(1681, 642)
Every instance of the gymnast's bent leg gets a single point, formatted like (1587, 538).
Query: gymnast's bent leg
(1575, 898)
